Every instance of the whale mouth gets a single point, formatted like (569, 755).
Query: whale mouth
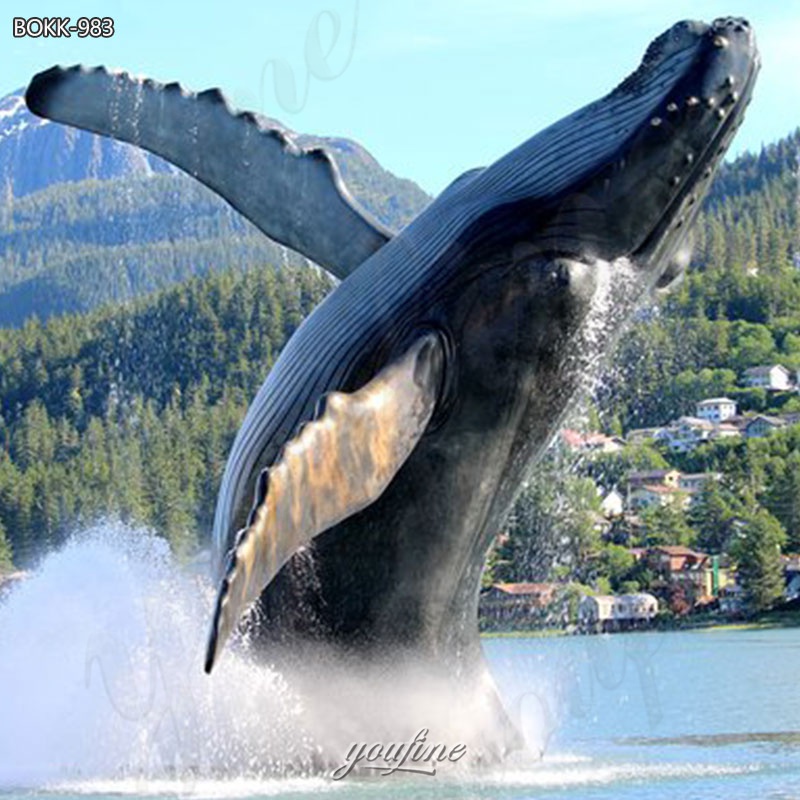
(713, 103)
(641, 203)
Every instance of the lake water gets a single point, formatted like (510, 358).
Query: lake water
(645, 715)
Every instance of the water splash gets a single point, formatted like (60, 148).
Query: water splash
(101, 675)
(101, 679)
(102, 691)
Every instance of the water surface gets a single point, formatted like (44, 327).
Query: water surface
(99, 656)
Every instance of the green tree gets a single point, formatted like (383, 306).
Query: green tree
(616, 563)
(783, 500)
(712, 517)
(6, 562)
(554, 524)
(666, 524)
(756, 548)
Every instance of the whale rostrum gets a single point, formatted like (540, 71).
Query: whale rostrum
(392, 436)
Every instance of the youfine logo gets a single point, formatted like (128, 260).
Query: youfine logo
(417, 756)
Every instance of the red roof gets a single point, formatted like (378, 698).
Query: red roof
(571, 437)
(679, 550)
(574, 439)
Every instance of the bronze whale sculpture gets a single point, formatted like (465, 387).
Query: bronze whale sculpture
(394, 432)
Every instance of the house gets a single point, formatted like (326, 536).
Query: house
(635, 607)
(592, 442)
(703, 576)
(716, 409)
(775, 378)
(607, 612)
(717, 578)
(507, 601)
(762, 425)
(693, 482)
(676, 558)
(641, 435)
(656, 495)
(686, 433)
(596, 611)
(660, 477)
(612, 505)
(652, 487)
(727, 430)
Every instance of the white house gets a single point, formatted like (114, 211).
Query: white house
(594, 609)
(612, 505)
(606, 612)
(716, 409)
(635, 607)
(775, 377)
(686, 433)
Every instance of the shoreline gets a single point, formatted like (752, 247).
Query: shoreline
(765, 621)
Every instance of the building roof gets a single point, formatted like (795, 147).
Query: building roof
(644, 431)
(763, 371)
(650, 473)
(639, 597)
(693, 422)
(599, 598)
(679, 550)
(525, 588)
(774, 421)
(573, 438)
(714, 401)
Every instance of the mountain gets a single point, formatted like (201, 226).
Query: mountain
(36, 153)
(85, 220)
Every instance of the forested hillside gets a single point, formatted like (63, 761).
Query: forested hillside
(131, 411)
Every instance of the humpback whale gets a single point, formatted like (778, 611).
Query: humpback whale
(389, 441)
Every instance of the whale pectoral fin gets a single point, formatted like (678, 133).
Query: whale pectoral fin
(296, 196)
(337, 465)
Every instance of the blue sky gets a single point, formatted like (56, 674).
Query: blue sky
(430, 87)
